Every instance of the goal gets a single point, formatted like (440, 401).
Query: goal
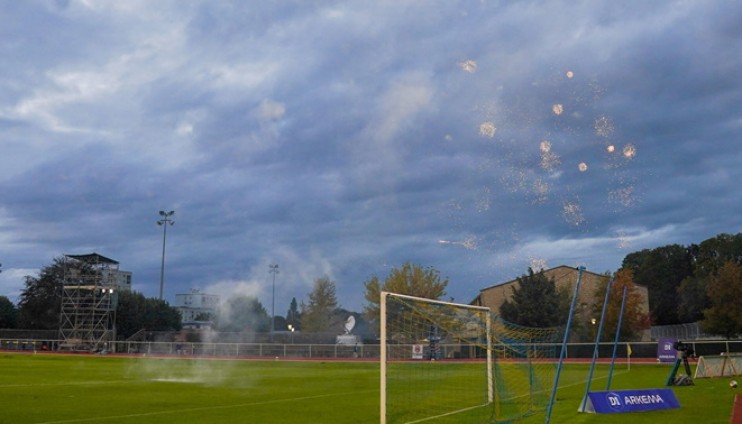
(443, 362)
(718, 366)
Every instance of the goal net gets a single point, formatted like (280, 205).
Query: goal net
(525, 363)
(718, 366)
(443, 362)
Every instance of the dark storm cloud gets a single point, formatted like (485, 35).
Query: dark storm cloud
(344, 139)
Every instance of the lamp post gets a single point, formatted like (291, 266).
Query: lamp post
(164, 222)
(273, 269)
(291, 328)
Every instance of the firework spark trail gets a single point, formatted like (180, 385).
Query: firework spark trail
(629, 151)
(603, 127)
(469, 66)
(468, 244)
(574, 125)
(487, 129)
(572, 213)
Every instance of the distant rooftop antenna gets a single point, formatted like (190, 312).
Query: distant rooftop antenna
(349, 324)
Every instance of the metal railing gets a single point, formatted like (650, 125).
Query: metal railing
(689, 331)
(639, 350)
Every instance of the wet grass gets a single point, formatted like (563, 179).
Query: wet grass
(59, 389)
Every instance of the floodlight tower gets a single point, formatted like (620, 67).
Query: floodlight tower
(273, 269)
(164, 222)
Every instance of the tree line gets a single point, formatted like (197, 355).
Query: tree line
(685, 284)
(700, 282)
(695, 283)
(39, 304)
(39, 308)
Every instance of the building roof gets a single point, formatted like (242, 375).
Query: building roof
(93, 258)
(564, 269)
(550, 270)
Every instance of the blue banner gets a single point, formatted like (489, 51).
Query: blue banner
(666, 350)
(618, 401)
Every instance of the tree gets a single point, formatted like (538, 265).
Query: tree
(634, 260)
(677, 277)
(317, 314)
(293, 317)
(164, 316)
(412, 280)
(136, 312)
(8, 313)
(41, 298)
(279, 323)
(243, 313)
(708, 258)
(661, 271)
(130, 314)
(634, 320)
(693, 298)
(715, 252)
(724, 289)
(535, 302)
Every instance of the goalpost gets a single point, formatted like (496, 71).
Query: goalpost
(724, 365)
(447, 362)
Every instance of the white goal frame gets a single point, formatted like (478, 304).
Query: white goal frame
(724, 365)
(383, 357)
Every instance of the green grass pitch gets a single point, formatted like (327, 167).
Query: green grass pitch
(50, 388)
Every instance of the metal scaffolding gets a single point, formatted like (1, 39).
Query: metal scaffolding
(89, 300)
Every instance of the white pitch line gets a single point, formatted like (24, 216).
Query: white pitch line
(203, 408)
(69, 383)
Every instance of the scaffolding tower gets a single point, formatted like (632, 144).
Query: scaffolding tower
(89, 300)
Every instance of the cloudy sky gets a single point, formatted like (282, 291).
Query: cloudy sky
(343, 138)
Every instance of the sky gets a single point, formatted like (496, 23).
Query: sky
(342, 139)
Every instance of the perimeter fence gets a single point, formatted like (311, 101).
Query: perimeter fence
(574, 351)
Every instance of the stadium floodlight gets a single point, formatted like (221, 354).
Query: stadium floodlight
(273, 269)
(164, 222)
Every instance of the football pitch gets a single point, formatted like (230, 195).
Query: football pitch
(51, 388)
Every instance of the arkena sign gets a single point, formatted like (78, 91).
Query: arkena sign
(617, 401)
